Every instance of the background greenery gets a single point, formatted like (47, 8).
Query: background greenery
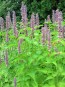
(43, 7)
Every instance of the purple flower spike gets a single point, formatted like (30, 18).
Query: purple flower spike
(56, 15)
(24, 17)
(48, 18)
(19, 44)
(49, 38)
(15, 83)
(8, 21)
(53, 16)
(32, 23)
(37, 20)
(14, 24)
(1, 23)
(44, 34)
(6, 57)
(24, 14)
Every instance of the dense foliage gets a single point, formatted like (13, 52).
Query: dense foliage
(35, 65)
